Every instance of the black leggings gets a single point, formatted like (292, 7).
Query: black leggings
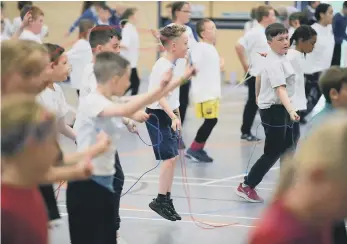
(184, 100)
(134, 82)
(118, 184)
(48, 195)
(312, 92)
(279, 137)
(205, 130)
(251, 107)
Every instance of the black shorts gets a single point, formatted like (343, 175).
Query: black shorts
(165, 143)
(92, 213)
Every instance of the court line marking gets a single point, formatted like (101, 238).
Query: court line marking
(190, 178)
(231, 178)
(197, 184)
(175, 183)
(185, 214)
(181, 221)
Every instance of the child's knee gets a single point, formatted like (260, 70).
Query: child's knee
(170, 162)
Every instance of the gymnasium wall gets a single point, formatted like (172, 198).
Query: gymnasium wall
(60, 15)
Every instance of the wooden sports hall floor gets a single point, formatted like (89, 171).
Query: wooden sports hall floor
(211, 186)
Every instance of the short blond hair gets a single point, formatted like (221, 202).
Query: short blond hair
(23, 57)
(171, 32)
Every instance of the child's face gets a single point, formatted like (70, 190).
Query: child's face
(104, 14)
(134, 17)
(112, 46)
(271, 18)
(327, 18)
(184, 14)
(340, 98)
(209, 32)
(295, 23)
(307, 46)
(280, 44)
(61, 69)
(37, 25)
(180, 46)
(119, 85)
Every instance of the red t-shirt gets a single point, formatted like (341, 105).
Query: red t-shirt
(23, 216)
(280, 226)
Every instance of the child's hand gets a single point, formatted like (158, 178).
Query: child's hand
(27, 20)
(132, 128)
(222, 63)
(176, 124)
(294, 116)
(155, 34)
(189, 72)
(140, 116)
(167, 77)
(103, 142)
(84, 169)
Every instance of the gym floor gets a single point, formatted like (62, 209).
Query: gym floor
(212, 198)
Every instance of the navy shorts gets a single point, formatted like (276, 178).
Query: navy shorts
(165, 146)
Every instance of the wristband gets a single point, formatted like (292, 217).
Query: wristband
(183, 81)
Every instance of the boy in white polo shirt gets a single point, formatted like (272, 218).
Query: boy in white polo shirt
(130, 46)
(80, 55)
(249, 46)
(91, 204)
(276, 109)
(206, 88)
(32, 31)
(166, 111)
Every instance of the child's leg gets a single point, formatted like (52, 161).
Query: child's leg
(196, 151)
(48, 195)
(274, 120)
(118, 184)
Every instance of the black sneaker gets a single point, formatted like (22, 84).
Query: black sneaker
(173, 210)
(249, 137)
(198, 156)
(163, 209)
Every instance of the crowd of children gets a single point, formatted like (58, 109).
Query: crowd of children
(283, 68)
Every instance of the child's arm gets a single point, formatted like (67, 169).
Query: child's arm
(257, 87)
(166, 107)
(139, 101)
(281, 92)
(80, 171)
(26, 21)
(66, 130)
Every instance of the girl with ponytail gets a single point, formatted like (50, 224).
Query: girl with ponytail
(302, 42)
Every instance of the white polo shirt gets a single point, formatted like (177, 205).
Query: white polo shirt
(320, 58)
(89, 82)
(255, 42)
(54, 101)
(87, 126)
(79, 56)
(160, 67)
(277, 72)
(206, 85)
(297, 60)
(130, 40)
(28, 35)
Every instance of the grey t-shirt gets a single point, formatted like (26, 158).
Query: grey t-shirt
(278, 72)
